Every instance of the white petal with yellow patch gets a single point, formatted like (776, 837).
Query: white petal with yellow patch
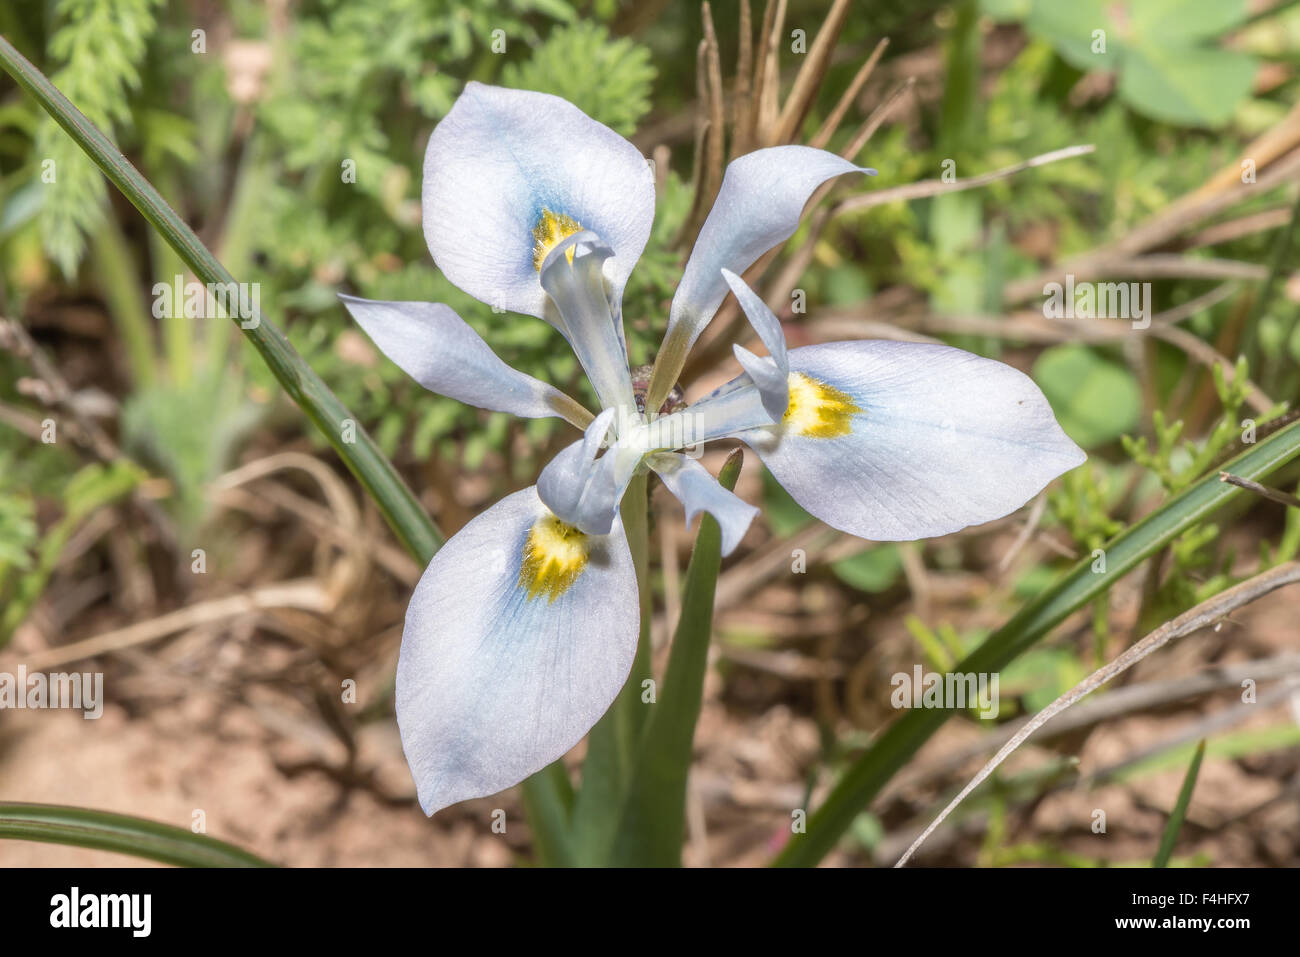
(519, 635)
(895, 441)
(510, 173)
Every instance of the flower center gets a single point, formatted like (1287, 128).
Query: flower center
(641, 385)
(818, 410)
(554, 556)
(551, 230)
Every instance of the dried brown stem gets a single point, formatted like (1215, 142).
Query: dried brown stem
(1206, 613)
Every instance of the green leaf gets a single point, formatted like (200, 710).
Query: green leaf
(872, 570)
(1005, 10)
(1186, 85)
(784, 515)
(548, 802)
(1095, 400)
(1178, 22)
(904, 737)
(652, 827)
(1179, 813)
(1169, 68)
(1071, 26)
(82, 827)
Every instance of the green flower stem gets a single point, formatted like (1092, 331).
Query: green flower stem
(904, 737)
(376, 474)
(104, 831)
(653, 824)
(613, 742)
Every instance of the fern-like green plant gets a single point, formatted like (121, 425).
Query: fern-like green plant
(608, 79)
(100, 44)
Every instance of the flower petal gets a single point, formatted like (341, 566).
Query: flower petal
(698, 491)
(508, 173)
(437, 349)
(571, 275)
(583, 490)
(772, 374)
(764, 321)
(773, 385)
(517, 639)
(762, 197)
(896, 441)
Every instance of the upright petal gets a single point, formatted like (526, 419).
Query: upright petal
(896, 441)
(772, 374)
(772, 383)
(437, 349)
(571, 275)
(519, 635)
(510, 173)
(698, 491)
(583, 490)
(764, 321)
(758, 206)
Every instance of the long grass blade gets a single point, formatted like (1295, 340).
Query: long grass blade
(105, 831)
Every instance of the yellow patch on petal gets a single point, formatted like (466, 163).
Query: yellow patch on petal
(818, 410)
(554, 556)
(551, 230)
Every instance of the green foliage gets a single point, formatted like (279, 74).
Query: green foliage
(1178, 464)
(1163, 51)
(28, 559)
(364, 83)
(872, 570)
(1082, 502)
(100, 43)
(608, 79)
(159, 428)
(784, 515)
(1095, 400)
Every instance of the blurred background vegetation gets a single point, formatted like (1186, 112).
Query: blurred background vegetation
(291, 134)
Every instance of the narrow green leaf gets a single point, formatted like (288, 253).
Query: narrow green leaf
(400, 507)
(104, 831)
(1179, 812)
(652, 827)
(904, 737)
(548, 802)
(612, 744)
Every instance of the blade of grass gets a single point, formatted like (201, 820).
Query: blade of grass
(1264, 298)
(110, 256)
(82, 827)
(1179, 812)
(653, 821)
(896, 745)
(1207, 612)
(376, 474)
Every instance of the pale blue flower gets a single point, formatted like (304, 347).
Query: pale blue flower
(524, 626)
